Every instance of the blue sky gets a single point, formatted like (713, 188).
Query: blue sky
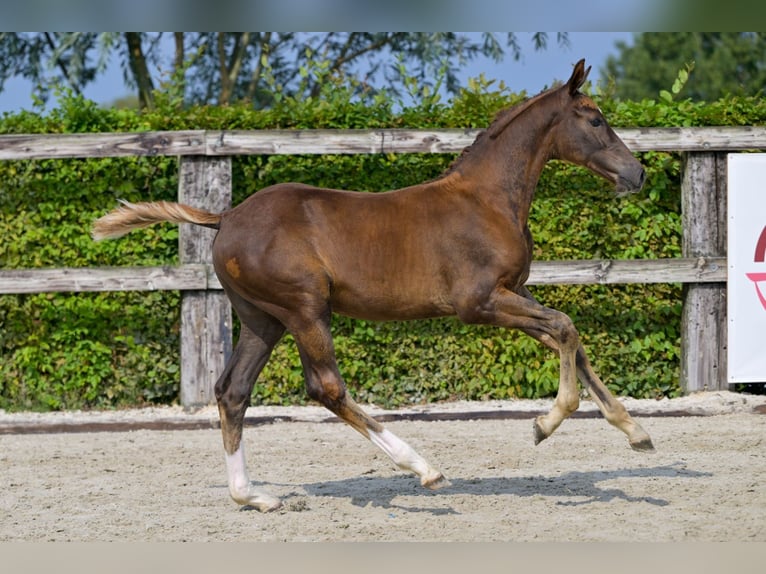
(538, 69)
(533, 72)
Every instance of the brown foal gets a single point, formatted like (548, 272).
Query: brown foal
(291, 255)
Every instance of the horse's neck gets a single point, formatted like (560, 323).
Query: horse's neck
(509, 167)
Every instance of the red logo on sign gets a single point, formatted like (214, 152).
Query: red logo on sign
(760, 257)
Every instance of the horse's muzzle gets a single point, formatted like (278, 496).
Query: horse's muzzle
(631, 182)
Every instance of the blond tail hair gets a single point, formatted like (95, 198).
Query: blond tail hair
(130, 216)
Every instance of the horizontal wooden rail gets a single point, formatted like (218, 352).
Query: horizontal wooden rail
(270, 142)
(83, 279)
(198, 277)
(126, 144)
(612, 271)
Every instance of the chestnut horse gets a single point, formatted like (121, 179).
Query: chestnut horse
(291, 255)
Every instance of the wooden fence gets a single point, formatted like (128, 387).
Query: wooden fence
(205, 181)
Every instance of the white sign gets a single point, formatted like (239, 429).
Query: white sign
(746, 257)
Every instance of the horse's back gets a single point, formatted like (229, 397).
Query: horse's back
(366, 251)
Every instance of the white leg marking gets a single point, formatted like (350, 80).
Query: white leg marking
(236, 467)
(239, 484)
(405, 457)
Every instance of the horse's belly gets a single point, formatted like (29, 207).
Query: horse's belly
(383, 304)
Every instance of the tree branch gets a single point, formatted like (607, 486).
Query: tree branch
(235, 65)
(178, 57)
(60, 63)
(140, 70)
(223, 71)
(344, 57)
(255, 77)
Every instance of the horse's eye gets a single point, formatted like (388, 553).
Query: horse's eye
(595, 122)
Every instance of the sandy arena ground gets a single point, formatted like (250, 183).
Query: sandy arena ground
(704, 483)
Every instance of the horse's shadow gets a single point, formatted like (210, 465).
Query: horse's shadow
(575, 488)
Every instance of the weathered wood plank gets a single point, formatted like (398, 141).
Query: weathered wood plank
(703, 324)
(76, 280)
(200, 276)
(694, 139)
(206, 325)
(607, 271)
(295, 142)
(291, 142)
(50, 146)
(205, 183)
(206, 345)
(266, 142)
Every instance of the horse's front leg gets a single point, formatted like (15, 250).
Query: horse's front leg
(567, 397)
(506, 308)
(612, 409)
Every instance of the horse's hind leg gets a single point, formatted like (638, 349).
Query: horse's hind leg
(258, 335)
(324, 384)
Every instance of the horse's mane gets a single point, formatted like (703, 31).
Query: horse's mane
(502, 120)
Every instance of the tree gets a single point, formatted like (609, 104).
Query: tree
(724, 63)
(222, 67)
(41, 57)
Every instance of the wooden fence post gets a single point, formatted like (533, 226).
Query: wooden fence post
(704, 323)
(206, 327)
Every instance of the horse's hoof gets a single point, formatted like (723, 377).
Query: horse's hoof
(643, 445)
(263, 506)
(436, 483)
(540, 434)
(260, 502)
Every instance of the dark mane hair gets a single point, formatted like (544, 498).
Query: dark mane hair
(502, 120)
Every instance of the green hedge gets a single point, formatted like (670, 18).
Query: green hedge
(105, 350)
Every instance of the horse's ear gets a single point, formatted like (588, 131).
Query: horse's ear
(579, 75)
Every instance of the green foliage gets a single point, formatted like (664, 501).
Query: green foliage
(106, 350)
(725, 64)
(678, 84)
(257, 67)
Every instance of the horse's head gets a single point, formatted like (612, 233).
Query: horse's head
(582, 136)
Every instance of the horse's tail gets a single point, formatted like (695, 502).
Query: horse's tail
(130, 216)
